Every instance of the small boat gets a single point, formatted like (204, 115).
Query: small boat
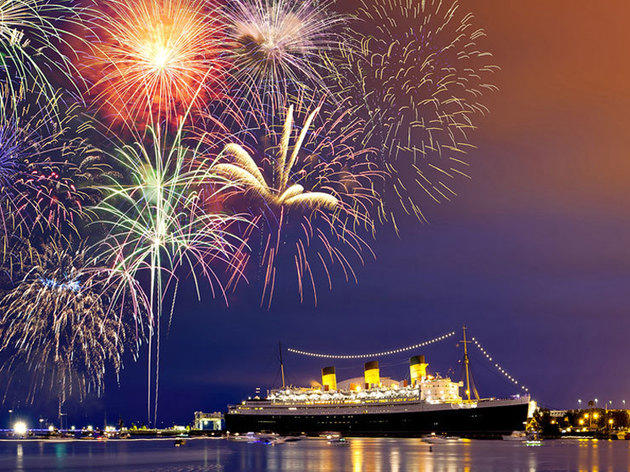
(531, 438)
(270, 439)
(338, 442)
(180, 442)
(249, 437)
(435, 438)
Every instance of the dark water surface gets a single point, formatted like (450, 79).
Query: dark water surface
(369, 455)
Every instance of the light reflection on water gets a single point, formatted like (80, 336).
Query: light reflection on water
(360, 455)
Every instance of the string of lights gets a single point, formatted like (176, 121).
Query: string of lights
(498, 367)
(373, 354)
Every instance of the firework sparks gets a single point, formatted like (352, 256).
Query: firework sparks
(45, 165)
(155, 59)
(158, 227)
(245, 171)
(32, 35)
(315, 224)
(59, 324)
(275, 45)
(419, 75)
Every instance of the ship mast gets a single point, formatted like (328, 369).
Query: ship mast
(281, 363)
(467, 367)
(466, 362)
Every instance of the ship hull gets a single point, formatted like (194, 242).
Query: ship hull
(484, 421)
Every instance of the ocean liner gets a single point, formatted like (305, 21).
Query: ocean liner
(379, 406)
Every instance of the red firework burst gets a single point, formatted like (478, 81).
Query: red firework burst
(155, 59)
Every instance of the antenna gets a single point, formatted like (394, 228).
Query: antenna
(281, 363)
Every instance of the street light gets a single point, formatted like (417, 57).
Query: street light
(20, 428)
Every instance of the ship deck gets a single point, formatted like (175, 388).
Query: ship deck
(258, 407)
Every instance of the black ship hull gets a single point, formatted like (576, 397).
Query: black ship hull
(488, 421)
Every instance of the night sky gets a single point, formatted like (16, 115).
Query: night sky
(533, 256)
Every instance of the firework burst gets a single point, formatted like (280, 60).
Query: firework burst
(276, 45)
(418, 76)
(59, 320)
(158, 227)
(308, 190)
(46, 165)
(32, 36)
(153, 60)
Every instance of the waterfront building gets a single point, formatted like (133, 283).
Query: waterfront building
(209, 421)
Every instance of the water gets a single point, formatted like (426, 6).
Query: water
(364, 455)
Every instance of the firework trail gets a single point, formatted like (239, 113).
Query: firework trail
(33, 36)
(155, 59)
(309, 193)
(418, 75)
(159, 230)
(46, 166)
(60, 321)
(275, 46)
